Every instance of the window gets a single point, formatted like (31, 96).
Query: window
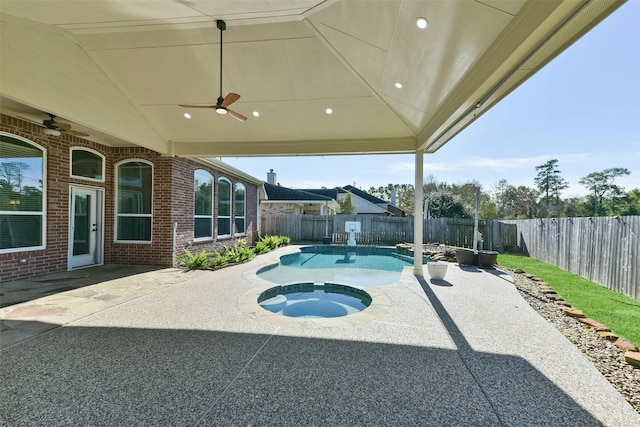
(87, 164)
(203, 205)
(22, 219)
(224, 207)
(134, 201)
(239, 213)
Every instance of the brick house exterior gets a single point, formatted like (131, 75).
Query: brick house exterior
(172, 205)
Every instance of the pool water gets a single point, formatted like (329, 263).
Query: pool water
(356, 266)
(308, 300)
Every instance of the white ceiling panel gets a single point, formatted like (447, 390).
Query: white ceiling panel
(119, 68)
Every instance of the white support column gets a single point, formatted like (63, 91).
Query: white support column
(418, 216)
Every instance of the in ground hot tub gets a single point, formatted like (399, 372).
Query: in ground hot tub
(310, 300)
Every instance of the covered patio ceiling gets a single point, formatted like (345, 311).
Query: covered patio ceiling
(118, 70)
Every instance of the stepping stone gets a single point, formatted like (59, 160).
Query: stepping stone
(626, 345)
(632, 358)
(573, 312)
(594, 324)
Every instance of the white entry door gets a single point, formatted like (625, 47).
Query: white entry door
(85, 227)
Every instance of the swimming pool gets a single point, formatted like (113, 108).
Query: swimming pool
(362, 266)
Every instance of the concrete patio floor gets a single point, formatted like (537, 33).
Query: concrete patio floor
(166, 347)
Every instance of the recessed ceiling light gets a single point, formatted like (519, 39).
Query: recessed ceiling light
(256, 114)
(328, 111)
(422, 23)
(187, 115)
(398, 85)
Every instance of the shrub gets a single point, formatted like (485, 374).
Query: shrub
(269, 243)
(194, 261)
(239, 252)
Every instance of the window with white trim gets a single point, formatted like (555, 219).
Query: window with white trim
(203, 205)
(134, 187)
(224, 207)
(239, 213)
(22, 194)
(87, 164)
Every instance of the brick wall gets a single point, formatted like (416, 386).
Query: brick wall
(172, 204)
(280, 209)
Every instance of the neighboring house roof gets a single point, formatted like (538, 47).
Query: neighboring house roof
(279, 193)
(327, 192)
(368, 197)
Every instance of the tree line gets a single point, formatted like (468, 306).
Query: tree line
(506, 201)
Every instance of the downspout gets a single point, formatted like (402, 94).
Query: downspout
(174, 262)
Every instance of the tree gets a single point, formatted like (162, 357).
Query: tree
(631, 203)
(404, 195)
(347, 206)
(550, 183)
(602, 186)
(519, 202)
(443, 204)
(488, 208)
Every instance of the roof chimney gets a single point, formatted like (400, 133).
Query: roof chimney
(271, 177)
(393, 196)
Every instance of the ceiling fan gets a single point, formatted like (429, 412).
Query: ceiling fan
(53, 128)
(222, 105)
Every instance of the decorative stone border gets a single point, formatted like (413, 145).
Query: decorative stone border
(631, 352)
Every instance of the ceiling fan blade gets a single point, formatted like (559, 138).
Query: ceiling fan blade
(230, 99)
(26, 119)
(75, 132)
(197, 106)
(236, 116)
(62, 126)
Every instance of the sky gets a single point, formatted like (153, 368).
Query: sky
(582, 109)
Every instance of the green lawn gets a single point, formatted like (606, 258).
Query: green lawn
(617, 311)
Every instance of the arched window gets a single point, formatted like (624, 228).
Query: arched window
(203, 205)
(134, 188)
(87, 164)
(224, 207)
(240, 208)
(22, 194)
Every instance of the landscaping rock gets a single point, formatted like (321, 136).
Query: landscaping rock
(594, 324)
(596, 346)
(573, 312)
(608, 335)
(632, 358)
(626, 345)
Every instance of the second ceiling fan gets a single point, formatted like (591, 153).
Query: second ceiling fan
(222, 105)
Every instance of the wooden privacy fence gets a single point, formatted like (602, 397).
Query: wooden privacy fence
(376, 230)
(605, 250)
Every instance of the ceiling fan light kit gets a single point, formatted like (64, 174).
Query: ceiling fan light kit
(223, 102)
(51, 132)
